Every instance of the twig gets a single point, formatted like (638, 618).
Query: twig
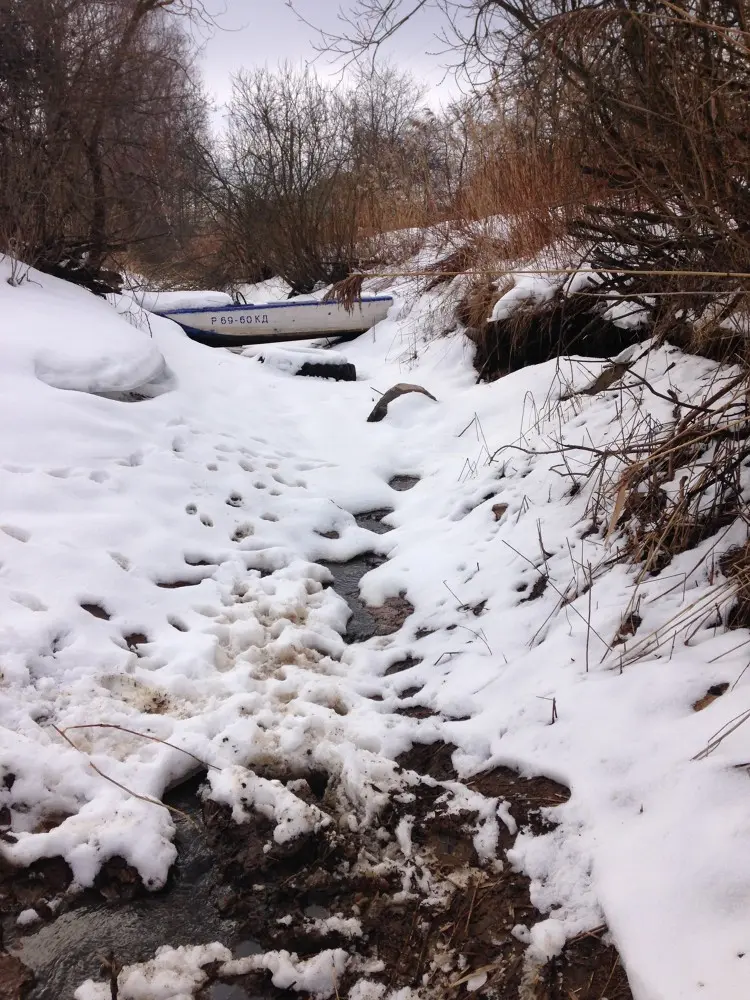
(143, 736)
(478, 635)
(136, 795)
(461, 605)
(555, 588)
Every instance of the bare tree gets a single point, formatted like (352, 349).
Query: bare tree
(92, 97)
(306, 169)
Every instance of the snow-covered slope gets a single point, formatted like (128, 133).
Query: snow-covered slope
(164, 508)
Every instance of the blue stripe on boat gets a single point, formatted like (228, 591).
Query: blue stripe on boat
(217, 310)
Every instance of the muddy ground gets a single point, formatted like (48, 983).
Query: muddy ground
(227, 887)
(455, 918)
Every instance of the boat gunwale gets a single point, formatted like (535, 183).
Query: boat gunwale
(271, 305)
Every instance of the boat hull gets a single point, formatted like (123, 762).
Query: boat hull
(279, 321)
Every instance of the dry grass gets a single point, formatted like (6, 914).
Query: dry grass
(475, 307)
(537, 187)
(347, 292)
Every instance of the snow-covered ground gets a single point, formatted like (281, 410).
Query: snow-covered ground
(163, 518)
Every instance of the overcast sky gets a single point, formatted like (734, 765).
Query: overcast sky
(266, 32)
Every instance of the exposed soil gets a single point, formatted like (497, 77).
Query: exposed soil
(391, 614)
(15, 978)
(527, 796)
(406, 664)
(433, 759)
(563, 326)
(403, 483)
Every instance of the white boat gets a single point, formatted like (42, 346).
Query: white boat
(235, 325)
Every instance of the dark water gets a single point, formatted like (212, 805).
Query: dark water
(69, 950)
(227, 991)
(346, 577)
(372, 520)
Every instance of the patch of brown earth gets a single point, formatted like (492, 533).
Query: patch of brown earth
(457, 918)
(15, 979)
(406, 664)
(30, 888)
(714, 692)
(527, 797)
(391, 614)
(434, 760)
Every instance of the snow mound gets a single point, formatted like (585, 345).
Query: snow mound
(291, 359)
(164, 302)
(44, 339)
(271, 290)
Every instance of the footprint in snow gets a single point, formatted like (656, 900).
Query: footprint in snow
(96, 611)
(28, 601)
(99, 477)
(20, 534)
(242, 531)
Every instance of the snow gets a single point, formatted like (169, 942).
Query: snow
(247, 793)
(194, 517)
(173, 974)
(271, 290)
(533, 289)
(164, 302)
(290, 359)
(317, 976)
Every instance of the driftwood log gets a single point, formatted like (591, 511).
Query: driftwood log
(381, 407)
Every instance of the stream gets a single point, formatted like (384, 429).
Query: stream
(69, 949)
